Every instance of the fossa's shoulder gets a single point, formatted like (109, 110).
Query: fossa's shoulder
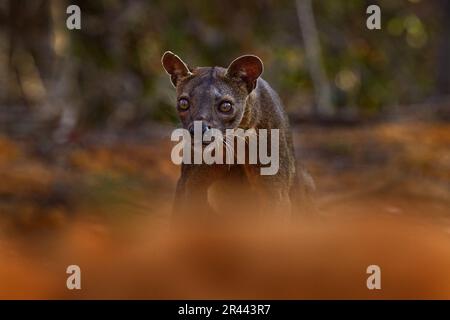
(266, 93)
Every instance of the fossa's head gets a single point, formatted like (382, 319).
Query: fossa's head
(214, 95)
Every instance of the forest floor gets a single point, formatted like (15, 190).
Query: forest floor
(383, 191)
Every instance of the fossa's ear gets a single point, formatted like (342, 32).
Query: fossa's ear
(175, 67)
(247, 69)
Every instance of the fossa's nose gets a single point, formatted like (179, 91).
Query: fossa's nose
(205, 128)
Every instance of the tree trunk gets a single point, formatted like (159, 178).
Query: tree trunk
(323, 106)
(443, 60)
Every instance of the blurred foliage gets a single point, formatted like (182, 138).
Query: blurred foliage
(116, 76)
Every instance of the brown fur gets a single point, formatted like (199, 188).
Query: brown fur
(255, 105)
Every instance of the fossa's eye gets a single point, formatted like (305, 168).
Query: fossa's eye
(183, 104)
(225, 106)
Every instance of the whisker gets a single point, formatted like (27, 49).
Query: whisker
(228, 148)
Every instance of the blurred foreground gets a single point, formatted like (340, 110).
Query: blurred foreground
(308, 260)
(103, 204)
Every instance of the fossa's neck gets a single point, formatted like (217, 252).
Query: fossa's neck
(251, 113)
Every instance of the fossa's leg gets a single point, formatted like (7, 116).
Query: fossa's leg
(272, 191)
(191, 197)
